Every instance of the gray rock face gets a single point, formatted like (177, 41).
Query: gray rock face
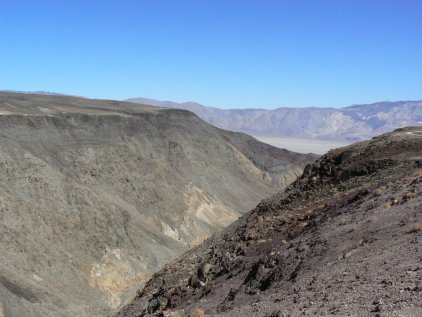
(353, 123)
(343, 240)
(97, 195)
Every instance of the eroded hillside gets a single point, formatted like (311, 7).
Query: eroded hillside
(345, 239)
(96, 195)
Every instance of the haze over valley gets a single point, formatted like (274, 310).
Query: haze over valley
(306, 130)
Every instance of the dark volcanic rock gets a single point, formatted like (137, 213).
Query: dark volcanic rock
(344, 240)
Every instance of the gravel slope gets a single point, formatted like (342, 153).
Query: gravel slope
(345, 239)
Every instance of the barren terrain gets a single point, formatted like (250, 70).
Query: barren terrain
(96, 195)
(345, 239)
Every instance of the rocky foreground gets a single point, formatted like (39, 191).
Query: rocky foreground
(96, 195)
(345, 239)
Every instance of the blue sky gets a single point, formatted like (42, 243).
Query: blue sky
(229, 54)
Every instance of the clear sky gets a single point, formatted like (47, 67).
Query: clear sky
(230, 54)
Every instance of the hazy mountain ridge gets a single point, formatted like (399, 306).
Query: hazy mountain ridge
(95, 195)
(48, 93)
(357, 122)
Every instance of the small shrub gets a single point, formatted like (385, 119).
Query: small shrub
(198, 313)
(303, 224)
(372, 218)
(416, 227)
(409, 196)
(379, 191)
(343, 221)
(396, 201)
(386, 205)
(309, 213)
(353, 228)
(416, 173)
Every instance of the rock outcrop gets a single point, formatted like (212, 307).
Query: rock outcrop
(345, 239)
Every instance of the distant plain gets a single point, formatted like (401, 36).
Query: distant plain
(302, 145)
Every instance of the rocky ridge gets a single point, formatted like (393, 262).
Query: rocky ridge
(96, 195)
(343, 240)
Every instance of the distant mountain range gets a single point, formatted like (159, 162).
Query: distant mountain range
(48, 93)
(357, 122)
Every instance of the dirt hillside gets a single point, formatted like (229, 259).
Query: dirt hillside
(345, 239)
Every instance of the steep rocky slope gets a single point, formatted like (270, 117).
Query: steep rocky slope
(95, 195)
(345, 239)
(358, 122)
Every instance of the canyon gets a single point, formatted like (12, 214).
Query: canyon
(97, 195)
